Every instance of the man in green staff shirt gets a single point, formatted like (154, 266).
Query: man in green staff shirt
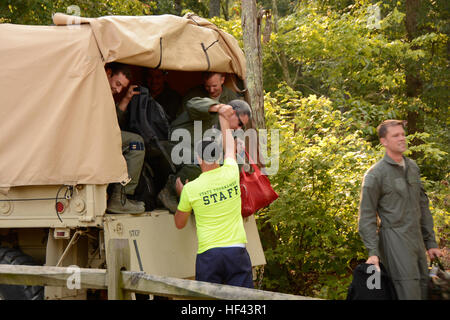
(215, 198)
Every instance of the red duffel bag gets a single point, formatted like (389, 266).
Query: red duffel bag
(256, 191)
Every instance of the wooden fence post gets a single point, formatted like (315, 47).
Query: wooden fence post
(117, 260)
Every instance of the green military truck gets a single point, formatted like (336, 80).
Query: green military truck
(60, 145)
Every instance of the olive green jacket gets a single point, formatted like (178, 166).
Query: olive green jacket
(200, 92)
(197, 104)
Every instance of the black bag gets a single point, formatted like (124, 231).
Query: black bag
(147, 117)
(439, 282)
(360, 290)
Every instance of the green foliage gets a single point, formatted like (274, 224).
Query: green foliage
(232, 26)
(200, 8)
(284, 7)
(322, 162)
(340, 52)
(40, 11)
(431, 159)
(440, 209)
(358, 57)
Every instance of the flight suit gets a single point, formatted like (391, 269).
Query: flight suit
(395, 194)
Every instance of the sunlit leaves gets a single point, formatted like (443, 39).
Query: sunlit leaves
(40, 11)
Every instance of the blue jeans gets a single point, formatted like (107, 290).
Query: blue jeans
(231, 266)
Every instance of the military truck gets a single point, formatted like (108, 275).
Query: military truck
(60, 143)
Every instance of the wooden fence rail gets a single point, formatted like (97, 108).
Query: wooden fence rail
(121, 283)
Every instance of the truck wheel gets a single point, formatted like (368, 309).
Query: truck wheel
(18, 292)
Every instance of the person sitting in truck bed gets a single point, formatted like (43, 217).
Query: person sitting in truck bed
(160, 90)
(119, 77)
(170, 100)
(201, 104)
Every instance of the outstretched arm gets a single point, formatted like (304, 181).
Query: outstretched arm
(225, 112)
(199, 108)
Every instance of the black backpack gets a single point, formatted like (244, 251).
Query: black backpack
(148, 118)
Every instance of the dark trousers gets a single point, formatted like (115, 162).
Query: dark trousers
(230, 266)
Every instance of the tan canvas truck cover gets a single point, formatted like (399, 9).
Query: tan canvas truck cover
(57, 115)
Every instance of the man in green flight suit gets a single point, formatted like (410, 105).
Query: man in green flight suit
(201, 106)
(393, 192)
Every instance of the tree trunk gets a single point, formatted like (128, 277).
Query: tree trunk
(177, 6)
(214, 8)
(251, 29)
(413, 82)
(225, 10)
(281, 56)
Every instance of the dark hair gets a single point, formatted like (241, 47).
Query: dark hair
(241, 107)
(148, 72)
(206, 150)
(117, 68)
(383, 127)
(208, 74)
